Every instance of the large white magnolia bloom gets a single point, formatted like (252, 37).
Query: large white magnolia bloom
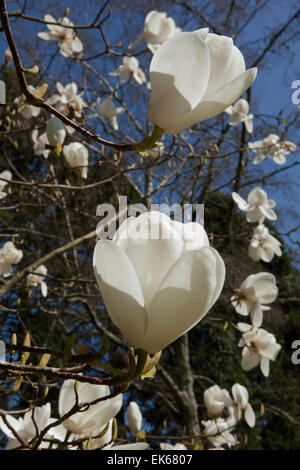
(130, 66)
(9, 255)
(255, 291)
(157, 30)
(56, 132)
(134, 417)
(109, 111)
(272, 147)
(259, 347)
(37, 277)
(238, 113)
(149, 276)
(27, 427)
(63, 32)
(77, 155)
(40, 143)
(27, 110)
(68, 99)
(195, 76)
(263, 246)
(215, 400)
(6, 174)
(258, 206)
(241, 404)
(95, 417)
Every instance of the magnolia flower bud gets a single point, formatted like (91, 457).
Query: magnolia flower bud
(195, 76)
(134, 417)
(158, 278)
(77, 155)
(216, 399)
(56, 131)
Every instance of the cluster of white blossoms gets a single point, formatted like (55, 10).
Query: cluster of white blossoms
(218, 429)
(130, 67)
(252, 298)
(68, 101)
(7, 176)
(157, 30)
(91, 427)
(37, 278)
(258, 207)
(273, 147)
(25, 109)
(62, 30)
(263, 246)
(239, 112)
(9, 255)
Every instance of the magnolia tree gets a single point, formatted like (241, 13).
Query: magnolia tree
(117, 145)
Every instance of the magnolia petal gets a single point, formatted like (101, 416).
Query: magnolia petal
(121, 290)
(257, 315)
(241, 203)
(181, 298)
(179, 73)
(215, 104)
(265, 366)
(249, 416)
(250, 360)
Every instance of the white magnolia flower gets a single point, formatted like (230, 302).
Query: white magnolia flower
(109, 112)
(33, 422)
(6, 174)
(68, 99)
(238, 113)
(38, 278)
(195, 76)
(259, 347)
(157, 30)
(130, 66)
(263, 245)
(94, 418)
(27, 110)
(149, 277)
(255, 291)
(242, 405)
(272, 147)
(63, 32)
(77, 155)
(9, 255)
(216, 399)
(2, 351)
(56, 132)
(39, 143)
(134, 417)
(258, 206)
(178, 446)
